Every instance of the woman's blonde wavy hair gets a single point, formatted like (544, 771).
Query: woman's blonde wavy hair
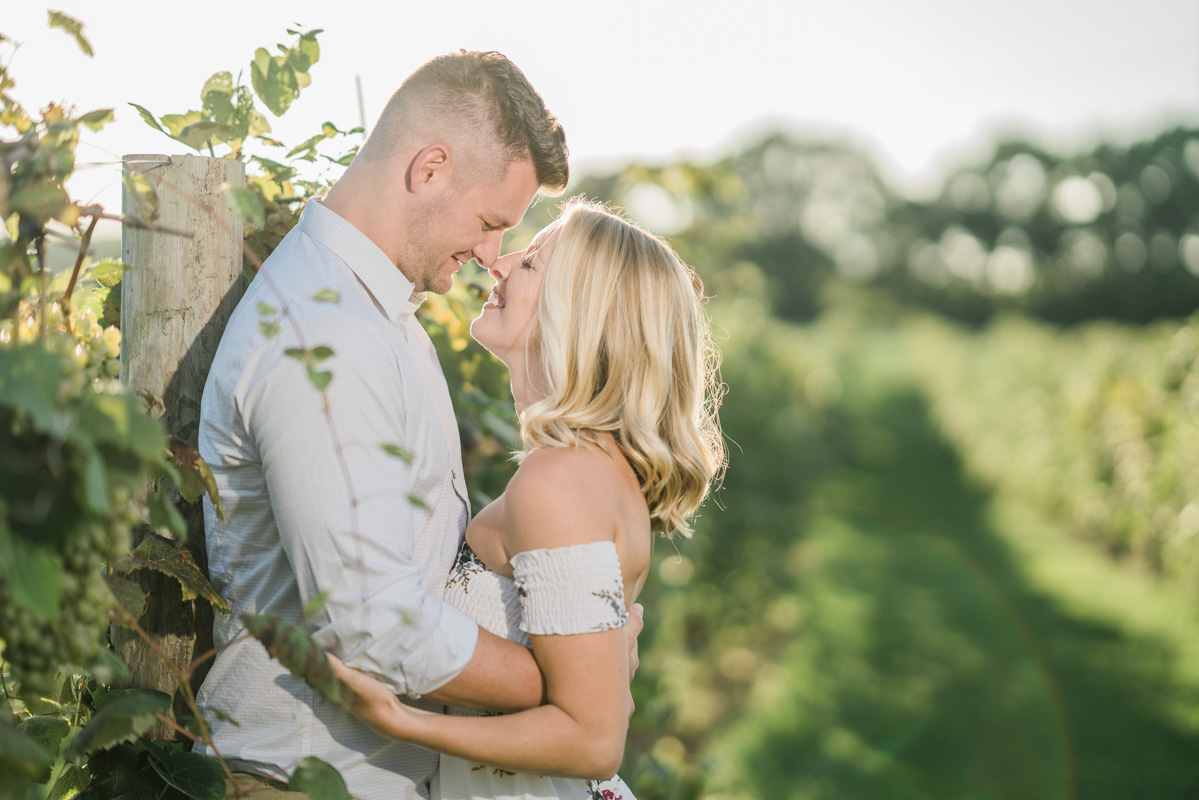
(623, 347)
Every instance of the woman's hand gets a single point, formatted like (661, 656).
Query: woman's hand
(374, 703)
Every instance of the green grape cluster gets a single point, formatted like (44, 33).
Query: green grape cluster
(52, 501)
(91, 353)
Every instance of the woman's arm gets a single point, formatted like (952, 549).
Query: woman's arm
(558, 499)
(577, 734)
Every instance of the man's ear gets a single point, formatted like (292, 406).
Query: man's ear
(430, 168)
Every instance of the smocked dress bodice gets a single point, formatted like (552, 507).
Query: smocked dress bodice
(500, 605)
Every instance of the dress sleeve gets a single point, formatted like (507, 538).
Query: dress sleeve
(574, 589)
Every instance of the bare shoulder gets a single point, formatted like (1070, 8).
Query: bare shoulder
(565, 495)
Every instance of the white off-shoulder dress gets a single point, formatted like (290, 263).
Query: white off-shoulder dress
(565, 590)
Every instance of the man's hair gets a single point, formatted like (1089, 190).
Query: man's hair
(622, 346)
(486, 97)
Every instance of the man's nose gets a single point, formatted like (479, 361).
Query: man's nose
(488, 250)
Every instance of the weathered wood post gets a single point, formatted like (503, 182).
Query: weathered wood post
(175, 302)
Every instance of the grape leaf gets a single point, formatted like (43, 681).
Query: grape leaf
(197, 776)
(246, 205)
(295, 649)
(96, 119)
(71, 782)
(32, 375)
(171, 558)
(48, 732)
(318, 780)
(21, 758)
(130, 595)
(143, 195)
(196, 479)
(73, 27)
(122, 721)
(150, 119)
(33, 574)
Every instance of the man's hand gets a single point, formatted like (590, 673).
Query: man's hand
(632, 630)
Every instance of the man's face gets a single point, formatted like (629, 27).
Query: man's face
(465, 222)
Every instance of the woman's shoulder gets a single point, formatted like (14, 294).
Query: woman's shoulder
(568, 495)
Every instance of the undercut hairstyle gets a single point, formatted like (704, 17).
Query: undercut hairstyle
(486, 97)
(622, 346)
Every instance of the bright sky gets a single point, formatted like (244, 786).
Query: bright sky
(921, 84)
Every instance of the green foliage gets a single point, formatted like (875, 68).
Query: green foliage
(318, 780)
(1096, 426)
(230, 117)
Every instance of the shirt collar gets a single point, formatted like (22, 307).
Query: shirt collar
(383, 279)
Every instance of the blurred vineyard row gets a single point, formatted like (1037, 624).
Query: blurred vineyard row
(1097, 425)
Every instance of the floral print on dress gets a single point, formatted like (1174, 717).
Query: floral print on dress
(615, 600)
(468, 565)
(601, 792)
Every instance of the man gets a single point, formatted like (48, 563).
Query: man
(319, 516)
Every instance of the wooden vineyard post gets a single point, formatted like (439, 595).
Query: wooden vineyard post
(176, 298)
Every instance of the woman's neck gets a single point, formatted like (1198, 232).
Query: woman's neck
(523, 394)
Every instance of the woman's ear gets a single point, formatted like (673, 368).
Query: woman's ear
(430, 168)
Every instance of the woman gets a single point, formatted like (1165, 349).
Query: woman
(600, 326)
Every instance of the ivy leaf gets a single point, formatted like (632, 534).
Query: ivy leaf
(318, 780)
(398, 452)
(291, 645)
(150, 119)
(195, 477)
(417, 501)
(319, 379)
(96, 119)
(122, 721)
(319, 354)
(130, 595)
(48, 732)
(315, 605)
(329, 129)
(266, 308)
(145, 197)
(197, 776)
(246, 205)
(20, 756)
(73, 27)
(327, 296)
(269, 329)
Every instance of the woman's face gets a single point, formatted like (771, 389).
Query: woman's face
(504, 324)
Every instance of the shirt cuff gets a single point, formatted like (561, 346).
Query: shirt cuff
(444, 654)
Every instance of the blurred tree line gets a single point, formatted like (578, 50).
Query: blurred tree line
(1112, 233)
